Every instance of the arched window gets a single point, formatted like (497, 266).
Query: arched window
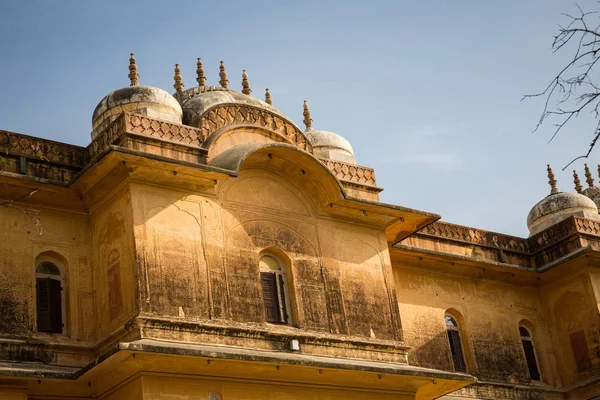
(48, 298)
(458, 356)
(274, 290)
(530, 358)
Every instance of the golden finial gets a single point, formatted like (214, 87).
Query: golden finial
(577, 182)
(245, 83)
(178, 80)
(200, 72)
(223, 74)
(269, 101)
(133, 74)
(552, 181)
(307, 118)
(588, 176)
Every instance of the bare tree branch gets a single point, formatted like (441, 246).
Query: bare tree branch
(575, 88)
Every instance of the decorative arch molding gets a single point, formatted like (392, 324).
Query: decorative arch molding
(224, 117)
(303, 168)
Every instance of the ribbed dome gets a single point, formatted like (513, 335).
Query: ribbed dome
(196, 101)
(148, 100)
(557, 207)
(331, 145)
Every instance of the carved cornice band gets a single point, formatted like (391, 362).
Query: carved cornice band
(224, 115)
(351, 172)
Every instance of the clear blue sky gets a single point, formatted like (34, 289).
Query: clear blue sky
(427, 92)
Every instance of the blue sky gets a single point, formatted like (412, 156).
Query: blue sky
(428, 92)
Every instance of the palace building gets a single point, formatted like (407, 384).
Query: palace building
(203, 246)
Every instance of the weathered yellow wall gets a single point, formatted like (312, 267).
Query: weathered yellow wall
(491, 313)
(571, 309)
(114, 271)
(64, 238)
(199, 255)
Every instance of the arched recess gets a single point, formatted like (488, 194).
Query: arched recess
(278, 289)
(298, 166)
(458, 341)
(51, 299)
(246, 243)
(529, 346)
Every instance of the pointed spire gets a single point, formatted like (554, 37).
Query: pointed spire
(178, 80)
(200, 72)
(577, 182)
(551, 181)
(269, 101)
(307, 118)
(133, 74)
(588, 176)
(223, 75)
(245, 83)
(599, 170)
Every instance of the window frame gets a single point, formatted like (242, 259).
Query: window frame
(454, 335)
(529, 338)
(60, 277)
(282, 290)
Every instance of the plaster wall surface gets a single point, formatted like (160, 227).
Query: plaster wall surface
(489, 314)
(199, 255)
(44, 234)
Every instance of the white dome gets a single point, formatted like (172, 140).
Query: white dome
(557, 207)
(148, 100)
(331, 145)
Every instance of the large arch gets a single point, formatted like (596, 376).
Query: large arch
(301, 167)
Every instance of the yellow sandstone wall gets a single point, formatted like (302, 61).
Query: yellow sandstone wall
(489, 314)
(199, 253)
(114, 270)
(63, 238)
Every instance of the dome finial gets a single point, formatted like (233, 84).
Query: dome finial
(552, 181)
(307, 118)
(245, 83)
(200, 72)
(269, 101)
(223, 74)
(588, 176)
(577, 182)
(133, 74)
(178, 80)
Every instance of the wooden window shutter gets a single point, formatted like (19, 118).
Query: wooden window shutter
(458, 357)
(580, 350)
(43, 304)
(283, 317)
(534, 372)
(269, 290)
(55, 306)
(49, 310)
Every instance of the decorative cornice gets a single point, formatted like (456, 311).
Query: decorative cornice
(478, 237)
(351, 172)
(139, 124)
(224, 115)
(17, 144)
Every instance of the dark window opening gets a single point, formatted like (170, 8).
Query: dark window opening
(49, 308)
(274, 297)
(458, 357)
(530, 359)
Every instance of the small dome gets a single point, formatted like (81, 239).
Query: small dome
(557, 207)
(196, 101)
(331, 145)
(147, 100)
